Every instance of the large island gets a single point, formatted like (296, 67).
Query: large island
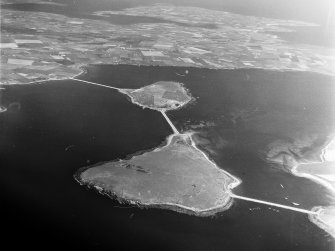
(177, 175)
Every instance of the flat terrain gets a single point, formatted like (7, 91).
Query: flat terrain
(177, 174)
(325, 219)
(162, 95)
(53, 42)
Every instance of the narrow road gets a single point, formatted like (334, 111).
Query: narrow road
(175, 131)
(273, 204)
(88, 82)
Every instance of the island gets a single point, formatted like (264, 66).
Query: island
(161, 96)
(177, 175)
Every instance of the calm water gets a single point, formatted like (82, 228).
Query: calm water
(52, 129)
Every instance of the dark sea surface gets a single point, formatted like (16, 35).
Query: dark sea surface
(51, 130)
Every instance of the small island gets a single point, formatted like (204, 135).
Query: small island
(160, 96)
(178, 175)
